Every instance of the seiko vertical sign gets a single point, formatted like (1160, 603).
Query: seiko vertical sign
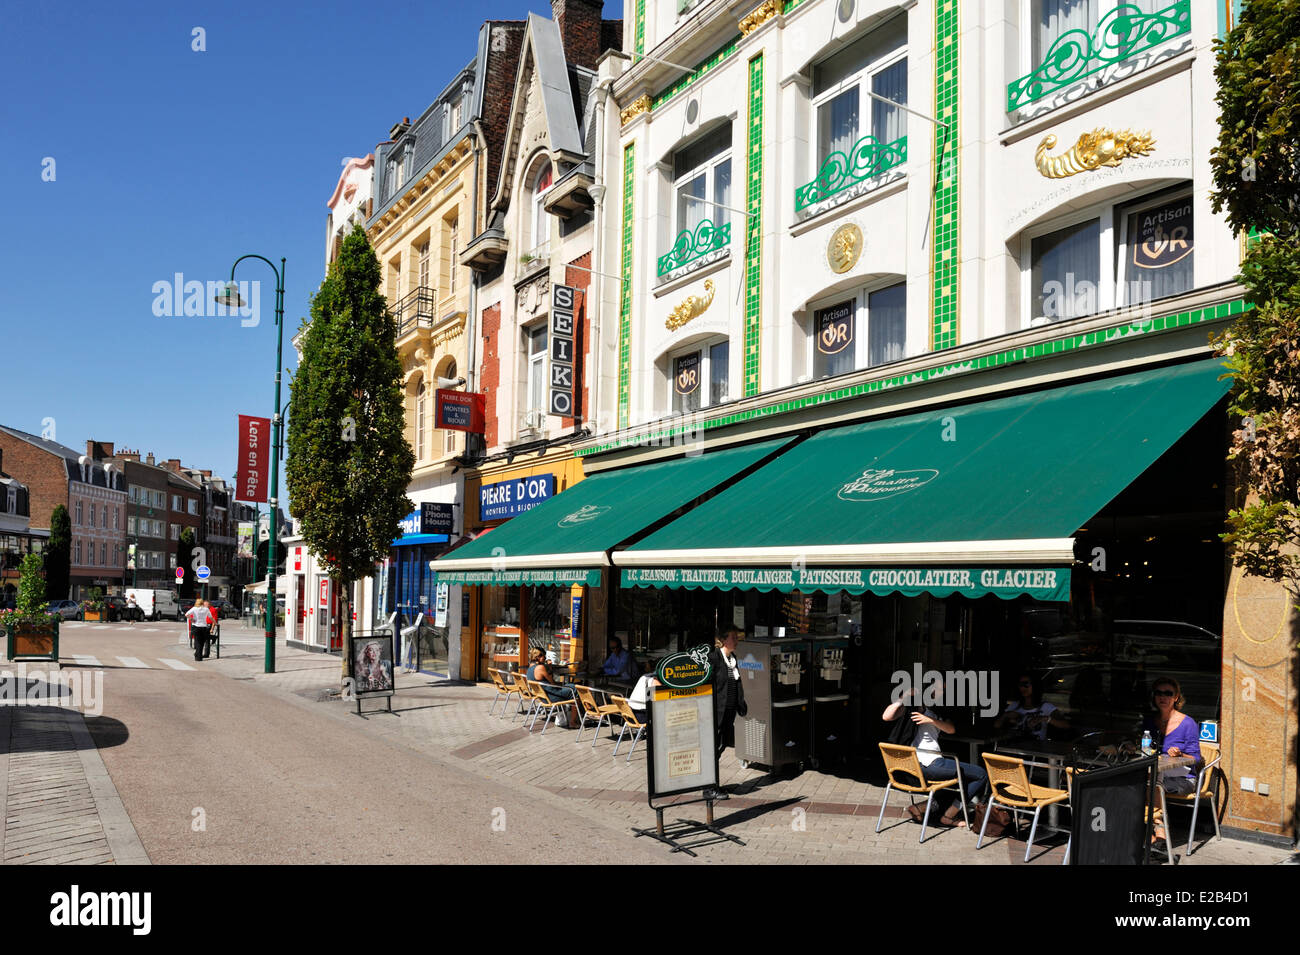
(254, 458)
(562, 350)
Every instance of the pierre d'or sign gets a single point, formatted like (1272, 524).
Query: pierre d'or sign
(685, 671)
(514, 497)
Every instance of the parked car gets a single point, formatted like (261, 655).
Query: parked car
(186, 604)
(155, 604)
(67, 609)
(115, 608)
(223, 607)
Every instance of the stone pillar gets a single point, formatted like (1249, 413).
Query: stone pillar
(1261, 629)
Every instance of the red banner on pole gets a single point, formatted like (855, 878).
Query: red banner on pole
(461, 411)
(251, 475)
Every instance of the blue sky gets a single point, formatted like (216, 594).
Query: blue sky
(169, 160)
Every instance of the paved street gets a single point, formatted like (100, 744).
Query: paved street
(216, 762)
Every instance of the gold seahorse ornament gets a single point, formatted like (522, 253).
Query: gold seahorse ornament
(691, 306)
(1100, 147)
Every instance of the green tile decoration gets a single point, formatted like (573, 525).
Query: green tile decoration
(997, 359)
(945, 274)
(710, 62)
(640, 26)
(625, 291)
(754, 228)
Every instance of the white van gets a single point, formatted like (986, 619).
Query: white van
(154, 604)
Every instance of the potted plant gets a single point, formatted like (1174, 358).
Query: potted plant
(31, 633)
(93, 607)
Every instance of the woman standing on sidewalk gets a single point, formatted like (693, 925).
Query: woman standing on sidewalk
(200, 628)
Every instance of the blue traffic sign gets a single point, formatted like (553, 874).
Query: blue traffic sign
(203, 573)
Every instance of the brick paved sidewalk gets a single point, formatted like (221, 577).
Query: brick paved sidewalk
(812, 817)
(57, 802)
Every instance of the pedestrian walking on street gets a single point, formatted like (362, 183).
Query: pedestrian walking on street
(728, 695)
(201, 628)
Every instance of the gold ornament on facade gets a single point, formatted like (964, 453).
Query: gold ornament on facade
(845, 247)
(1101, 147)
(638, 106)
(692, 306)
(758, 16)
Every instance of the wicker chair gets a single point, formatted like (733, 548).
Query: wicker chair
(629, 722)
(504, 691)
(525, 694)
(543, 704)
(1210, 755)
(600, 712)
(904, 771)
(1011, 788)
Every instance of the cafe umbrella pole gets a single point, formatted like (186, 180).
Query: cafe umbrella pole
(230, 296)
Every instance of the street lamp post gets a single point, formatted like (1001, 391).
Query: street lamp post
(231, 297)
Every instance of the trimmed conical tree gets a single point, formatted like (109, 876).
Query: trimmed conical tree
(349, 462)
(58, 555)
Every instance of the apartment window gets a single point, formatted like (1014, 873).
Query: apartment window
(159, 499)
(861, 331)
(541, 221)
(177, 504)
(1109, 256)
(103, 553)
(535, 350)
(702, 181)
(419, 422)
(1051, 19)
(92, 515)
(176, 532)
(422, 257)
(79, 513)
(701, 368)
(395, 280)
(130, 526)
(171, 561)
(876, 63)
(76, 551)
(117, 513)
(193, 506)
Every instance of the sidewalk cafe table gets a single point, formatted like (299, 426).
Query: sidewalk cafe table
(1055, 755)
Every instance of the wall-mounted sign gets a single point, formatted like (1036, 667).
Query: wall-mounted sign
(504, 499)
(427, 518)
(562, 350)
(686, 373)
(834, 327)
(461, 411)
(254, 458)
(684, 671)
(1161, 236)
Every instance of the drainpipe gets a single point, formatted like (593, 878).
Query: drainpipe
(471, 323)
(598, 191)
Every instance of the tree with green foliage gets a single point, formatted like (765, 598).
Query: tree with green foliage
(31, 586)
(1256, 168)
(349, 462)
(58, 555)
(184, 557)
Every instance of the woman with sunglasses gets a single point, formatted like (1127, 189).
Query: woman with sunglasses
(1174, 734)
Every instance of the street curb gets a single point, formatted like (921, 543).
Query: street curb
(122, 838)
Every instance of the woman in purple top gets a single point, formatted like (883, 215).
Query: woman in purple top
(1173, 733)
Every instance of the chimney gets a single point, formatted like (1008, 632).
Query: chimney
(580, 25)
(149, 459)
(206, 474)
(399, 128)
(173, 464)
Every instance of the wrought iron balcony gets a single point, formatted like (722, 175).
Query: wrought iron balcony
(414, 309)
(869, 157)
(1122, 33)
(690, 246)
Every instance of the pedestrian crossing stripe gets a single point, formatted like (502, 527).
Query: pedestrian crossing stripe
(175, 664)
(134, 663)
(85, 661)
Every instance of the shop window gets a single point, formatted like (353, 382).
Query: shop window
(702, 193)
(851, 141)
(700, 376)
(1111, 256)
(860, 331)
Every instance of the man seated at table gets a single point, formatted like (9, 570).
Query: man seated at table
(618, 664)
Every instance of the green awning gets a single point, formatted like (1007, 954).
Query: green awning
(555, 576)
(574, 530)
(991, 485)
